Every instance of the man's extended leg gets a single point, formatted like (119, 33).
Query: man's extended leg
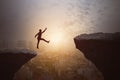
(44, 40)
(38, 43)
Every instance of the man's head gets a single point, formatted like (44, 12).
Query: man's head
(40, 30)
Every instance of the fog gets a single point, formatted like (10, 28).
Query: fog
(20, 19)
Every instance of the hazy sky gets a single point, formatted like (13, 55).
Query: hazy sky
(21, 18)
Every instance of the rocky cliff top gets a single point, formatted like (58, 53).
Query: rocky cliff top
(18, 51)
(103, 49)
(11, 60)
(99, 36)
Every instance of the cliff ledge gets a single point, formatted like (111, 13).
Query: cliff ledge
(103, 49)
(12, 60)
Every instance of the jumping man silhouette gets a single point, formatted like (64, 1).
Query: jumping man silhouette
(39, 37)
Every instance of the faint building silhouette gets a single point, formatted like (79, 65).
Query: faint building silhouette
(20, 44)
(7, 44)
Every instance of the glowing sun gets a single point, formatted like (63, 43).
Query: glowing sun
(56, 39)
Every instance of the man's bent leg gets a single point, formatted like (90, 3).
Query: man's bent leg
(44, 40)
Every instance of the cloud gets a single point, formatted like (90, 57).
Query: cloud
(97, 16)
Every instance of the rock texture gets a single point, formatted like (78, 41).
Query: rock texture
(12, 60)
(103, 49)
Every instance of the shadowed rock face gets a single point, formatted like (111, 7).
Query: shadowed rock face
(103, 49)
(12, 60)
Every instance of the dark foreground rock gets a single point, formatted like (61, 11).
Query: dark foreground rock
(103, 49)
(12, 60)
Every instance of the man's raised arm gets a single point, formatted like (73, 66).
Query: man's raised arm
(44, 30)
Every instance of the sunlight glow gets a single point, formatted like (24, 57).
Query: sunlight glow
(56, 39)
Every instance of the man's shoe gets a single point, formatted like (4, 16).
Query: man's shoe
(37, 47)
(48, 41)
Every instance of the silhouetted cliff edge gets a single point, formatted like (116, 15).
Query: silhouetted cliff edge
(103, 49)
(12, 60)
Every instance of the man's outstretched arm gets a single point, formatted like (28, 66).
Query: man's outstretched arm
(44, 30)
